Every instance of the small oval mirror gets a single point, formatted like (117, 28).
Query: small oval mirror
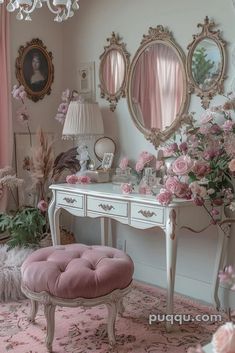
(113, 71)
(114, 64)
(206, 63)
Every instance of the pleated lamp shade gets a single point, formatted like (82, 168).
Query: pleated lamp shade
(83, 119)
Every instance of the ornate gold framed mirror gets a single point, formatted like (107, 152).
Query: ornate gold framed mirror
(206, 63)
(114, 65)
(157, 86)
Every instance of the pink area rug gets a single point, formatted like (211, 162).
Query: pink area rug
(80, 330)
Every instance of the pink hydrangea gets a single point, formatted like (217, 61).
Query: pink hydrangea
(164, 197)
(223, 340)
(124, 163)
(42, 206)
(72, 179)
(126, 188)
(182, 165)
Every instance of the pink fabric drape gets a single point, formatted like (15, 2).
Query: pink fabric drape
(5, 106)
(113, 71)
(158, 86)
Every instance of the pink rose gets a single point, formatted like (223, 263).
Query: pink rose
(201, 169)
(126, 188)
(168, 151)
(72, 179)
(42, 206)
(183, 147)
(183, 191)
(232, 165)
(223, 340)
(172, 184)
(124, 163)
(204, 129)
(228, 125)
(139, 166)
(83, 179)
(146, 157)
(182, 165)
(165, 197)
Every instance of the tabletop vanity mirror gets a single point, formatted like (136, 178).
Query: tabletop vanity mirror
(157, 86)
(114, 64)
(206, 63)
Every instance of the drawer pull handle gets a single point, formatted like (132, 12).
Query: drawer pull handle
(147, 214)
(70, 200)
(106, 207)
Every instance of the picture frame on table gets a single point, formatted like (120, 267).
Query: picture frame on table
(34, 69)
(107, 160)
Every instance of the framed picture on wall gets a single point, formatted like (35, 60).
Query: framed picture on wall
(86, 80)
(34, 69)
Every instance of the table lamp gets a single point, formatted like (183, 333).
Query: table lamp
(83, 120)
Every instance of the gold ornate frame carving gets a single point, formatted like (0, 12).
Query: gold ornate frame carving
(206, 32)
(114, 44)
(24, 69)
(161, 35)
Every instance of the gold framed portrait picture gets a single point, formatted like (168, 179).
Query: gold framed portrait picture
(34, 69)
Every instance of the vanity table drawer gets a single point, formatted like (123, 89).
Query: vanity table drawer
(147, 213)
(72, 200)
(107, 206)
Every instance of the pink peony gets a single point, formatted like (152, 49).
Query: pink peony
(126, 188)
(232, 165)
(124, 163)
(72, 179)
(182, 165)
(223, 340)
(42, 206)
(139, 166)
(83, 179)
(165, 197)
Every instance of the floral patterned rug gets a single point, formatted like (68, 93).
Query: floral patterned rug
(80, 330)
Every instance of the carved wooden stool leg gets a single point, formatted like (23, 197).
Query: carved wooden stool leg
(121, 307)
(112, 314)
(33, 310)
(49, 311)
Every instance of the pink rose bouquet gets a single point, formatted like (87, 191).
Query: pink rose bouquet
(144, 159)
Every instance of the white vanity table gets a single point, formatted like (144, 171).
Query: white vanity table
(140, 211)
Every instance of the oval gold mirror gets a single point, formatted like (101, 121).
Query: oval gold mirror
(206, 63)
(157, 87)
(114, 64)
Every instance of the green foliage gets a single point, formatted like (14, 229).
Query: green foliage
(201, 66)
(25, 227)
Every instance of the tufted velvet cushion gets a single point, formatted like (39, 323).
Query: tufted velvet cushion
(77, 270)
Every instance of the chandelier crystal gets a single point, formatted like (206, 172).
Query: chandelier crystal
(63, 9)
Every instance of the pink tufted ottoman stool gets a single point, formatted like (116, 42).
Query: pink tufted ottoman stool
(76, 275)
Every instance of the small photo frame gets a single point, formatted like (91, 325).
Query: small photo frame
(86, 80)
(107, 160)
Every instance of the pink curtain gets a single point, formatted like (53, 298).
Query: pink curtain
(113, 71)
(5, 105)
(158, 86)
